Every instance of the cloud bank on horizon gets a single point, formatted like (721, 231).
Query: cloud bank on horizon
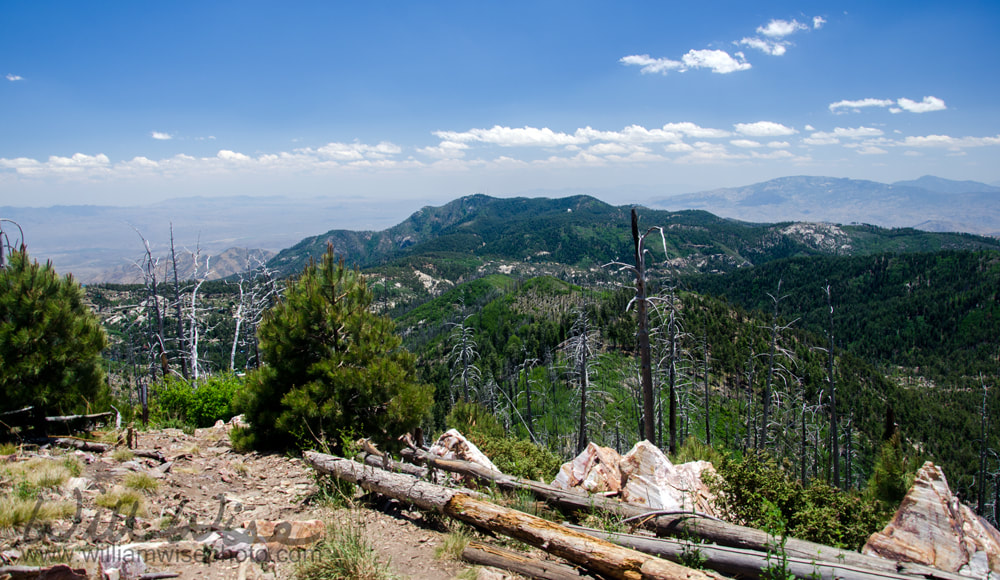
(737, 98)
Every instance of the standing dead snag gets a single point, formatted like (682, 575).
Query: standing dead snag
(592, 553)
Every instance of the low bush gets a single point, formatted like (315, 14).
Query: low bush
(754, 491)
(174, 400)
(518, 457)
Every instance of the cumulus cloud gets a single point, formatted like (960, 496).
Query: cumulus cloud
(159, 136)
(14, 78)
(766, 46)
(834, 137)
(512, 137)
(818, 22)
(718, 61)
(764, 129)
(929, 104)
(781, 28)
(745, 143)
(860, 104)
(651, 65)
(949, 142)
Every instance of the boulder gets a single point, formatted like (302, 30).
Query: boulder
(652, 480)
(932, 527)
(454, 445)
(643, 476)
(594, 470)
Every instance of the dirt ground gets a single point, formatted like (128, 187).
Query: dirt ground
(216, 487)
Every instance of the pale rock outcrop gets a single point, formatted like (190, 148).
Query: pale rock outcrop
(932, 527)
(643, 476)
(594, 470)
(453, 445)
(652, 480)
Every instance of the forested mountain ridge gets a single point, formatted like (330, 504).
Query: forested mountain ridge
(582, 232)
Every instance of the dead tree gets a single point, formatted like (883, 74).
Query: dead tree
(6, 245)
(463, 355)
(834, 428)
(580, 347)
(641, 301)
(177, 304)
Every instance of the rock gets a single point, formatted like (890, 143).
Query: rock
(286, 533)
(73, 483)
(453, 445)
(594, 470)
(652, 480)
(932, 527)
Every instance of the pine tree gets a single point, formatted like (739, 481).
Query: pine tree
(50, 341)
(334, 369)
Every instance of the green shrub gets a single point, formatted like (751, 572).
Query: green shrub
(174, 400)
(754, 491)
(518, 457)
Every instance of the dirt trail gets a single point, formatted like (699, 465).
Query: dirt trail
(212, 485)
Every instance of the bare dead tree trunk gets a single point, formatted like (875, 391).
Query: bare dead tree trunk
(834, 427)
(648, 430)
(177, 306)
(708, 413)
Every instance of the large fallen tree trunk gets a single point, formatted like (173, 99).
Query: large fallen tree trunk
(746, 563)
(675, 523)
(523, 564)
(591, 553)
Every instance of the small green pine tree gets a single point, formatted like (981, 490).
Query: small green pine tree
(334, 368)
(50, 341)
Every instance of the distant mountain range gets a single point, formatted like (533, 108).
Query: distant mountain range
(929, 203)
(100, 243)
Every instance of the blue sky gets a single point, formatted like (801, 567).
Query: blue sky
(421, 102)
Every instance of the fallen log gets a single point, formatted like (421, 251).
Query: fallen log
(744, 563)
(81, 444)
(674, 524)
(378, 461)
(592, 553)
(150, 454)
(486, 555)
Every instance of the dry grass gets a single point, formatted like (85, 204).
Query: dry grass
(16, 511)
(121, 455)
(124, 500)
(141, 482)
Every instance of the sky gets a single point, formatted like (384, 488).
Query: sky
(416, 103)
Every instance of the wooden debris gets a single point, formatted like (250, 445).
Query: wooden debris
(592, 553)
(486, 555)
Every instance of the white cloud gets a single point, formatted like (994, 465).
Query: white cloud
(227, 155)
(859, 104)
(898, 106)
(781, 28)
(949, 142)
(927, 105)
(652, 65)
(745, 143)
(696, 131)
(513, 137)
(834, 137)
(718, 61)
(14, 78)
(779, 144)
(764, 129)
(818, 22)
(445, 150)
(766, 46)
(161, 136)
